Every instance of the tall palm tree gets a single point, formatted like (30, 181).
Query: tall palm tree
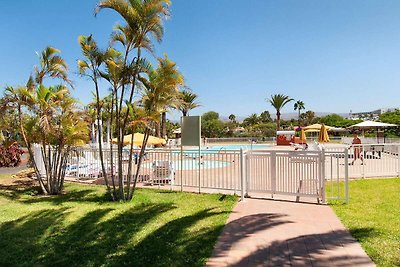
(90, 68)
(161, 87)
(187, 101)
(232, 118)
(278, 101)
(299, 105)
(144, 23)
(50, 65)
(160, 93)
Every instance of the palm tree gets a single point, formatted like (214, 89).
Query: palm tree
(232, 118)
(90, 68)
(187, 101)
(299, 105)
(160, 94)
(162, 87)
(50, 65)
(278, 101)
(143, 23)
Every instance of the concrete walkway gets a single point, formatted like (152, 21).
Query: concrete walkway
(277, 233)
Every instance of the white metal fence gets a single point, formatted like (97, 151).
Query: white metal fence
(293, 173)
(320, 174)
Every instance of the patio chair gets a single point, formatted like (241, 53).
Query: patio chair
(162, 172)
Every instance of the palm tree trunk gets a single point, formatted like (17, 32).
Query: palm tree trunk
(163, 124)
(299, 117)
(28, 145)
(100, 139)
(278, 121)
(141, 155)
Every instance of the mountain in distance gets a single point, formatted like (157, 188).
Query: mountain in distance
(287, 116)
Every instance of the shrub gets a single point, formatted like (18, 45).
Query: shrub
(10, 155)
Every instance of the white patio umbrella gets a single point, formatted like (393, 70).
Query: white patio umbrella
(373, 125)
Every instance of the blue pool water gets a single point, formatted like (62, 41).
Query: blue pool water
(217, 149)
(193, 164)
(236, 147)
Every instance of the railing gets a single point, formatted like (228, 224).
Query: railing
(365, 160)
(293, 173)
(297, 173)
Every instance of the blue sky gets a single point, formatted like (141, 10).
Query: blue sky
(336, 56)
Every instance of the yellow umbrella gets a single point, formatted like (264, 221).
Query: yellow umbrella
(316, 127)
(303, 136)
(323, 135)
(138, 140)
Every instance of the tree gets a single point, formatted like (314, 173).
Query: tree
(143, 20)
(308, 117)
(53, 119)
(253, 119)
(90, 67)
(299, 105)
(162, 87)
(336, 121)
(210, 115)
(232, 118)
(187, 101)
(265, 117)
(278, 101)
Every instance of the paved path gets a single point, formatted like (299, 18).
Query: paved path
(278, 233)
(12, 170)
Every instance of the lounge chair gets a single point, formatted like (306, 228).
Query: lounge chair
(162, 172)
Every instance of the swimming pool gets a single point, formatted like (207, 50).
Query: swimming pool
(193, 164)
(216, 149)
(236, 147)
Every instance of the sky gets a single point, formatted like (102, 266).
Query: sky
(335, 56)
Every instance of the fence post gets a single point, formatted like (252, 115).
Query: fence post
(273, 172)
(322, 174)
(346, 175)
(398, 160)
(242, 174)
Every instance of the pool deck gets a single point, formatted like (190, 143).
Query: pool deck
(280, 233)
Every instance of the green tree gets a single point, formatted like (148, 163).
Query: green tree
(144, 21)
(187, 101)
(265, 117)
(299, 105)
(212, 128)
(162, 87)
(278, 101)
(232, 118)
(308, 117)
(253, 119)
(90, 67)
(54, 121)
(210, 115)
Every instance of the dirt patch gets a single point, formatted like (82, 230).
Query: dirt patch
(22, 179)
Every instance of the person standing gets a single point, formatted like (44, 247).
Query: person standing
(357, 149)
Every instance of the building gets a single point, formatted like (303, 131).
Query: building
(369, 115)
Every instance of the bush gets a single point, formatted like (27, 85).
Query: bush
(10, 155)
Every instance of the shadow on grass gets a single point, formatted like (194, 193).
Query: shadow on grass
(20, 189)
(363, 233)
(101, 237)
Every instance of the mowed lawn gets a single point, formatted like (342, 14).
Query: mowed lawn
(82, 228)
(373, 218)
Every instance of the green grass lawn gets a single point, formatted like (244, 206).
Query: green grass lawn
(373, 218)
(158, 228)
